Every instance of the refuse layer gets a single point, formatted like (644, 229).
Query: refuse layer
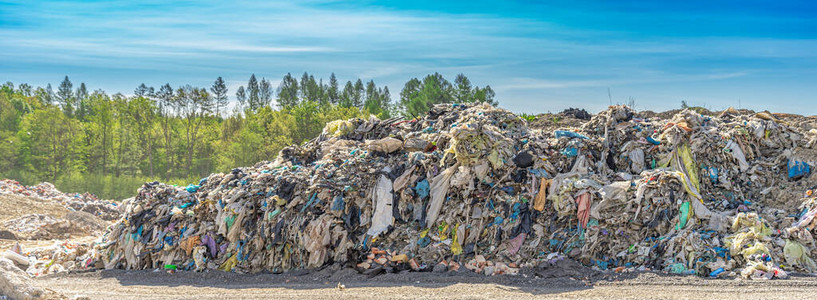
(475, 187)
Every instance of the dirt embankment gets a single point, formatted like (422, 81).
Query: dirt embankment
(35, 222)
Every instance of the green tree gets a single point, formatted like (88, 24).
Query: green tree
(264, 95)
(9, 120)
(348, 95)
(167, 108)
(48, 96)
(142, 90)
(323, 94)
(306, 92)
(195, 104)
(463, 92)
(253, 92)
(25, 90)
(241, 96)
(375, 103)
(332, 92)
(99, 131)
(385, 102)
(313, 89)
(357, 94)
(219, 91)
(485, 95)
(82, 101)
(143, 113)
(65, 95)
(51, 143)
(288, 92)
(418, 97)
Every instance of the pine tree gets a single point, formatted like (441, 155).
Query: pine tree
(141, 91)
(65, 95)
(219, 91)
(385, 101)
(332, 92)
(357, 100)
(288, 92)
(82, 92)
(252, 91)
(49, 95)
(462, 90)
(241, 96)
(264, 94)
(82, 100)
(24, 89)
(347, 96)
(489, 96)
(323, 96)
(305, 91)
(313, 89)
(372, 102)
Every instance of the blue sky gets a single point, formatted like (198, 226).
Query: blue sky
(537, 56)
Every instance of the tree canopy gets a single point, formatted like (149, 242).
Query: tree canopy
(110, 143)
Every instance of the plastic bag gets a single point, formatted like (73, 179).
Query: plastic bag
(383, 200)
(385, 145)
(439, 188)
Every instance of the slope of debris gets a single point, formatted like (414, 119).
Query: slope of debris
(476, 187)
(106, 210)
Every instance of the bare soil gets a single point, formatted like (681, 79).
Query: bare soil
(120, 284)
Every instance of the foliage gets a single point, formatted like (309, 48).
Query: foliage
(111, 144)
(417, 97)
(528, 117)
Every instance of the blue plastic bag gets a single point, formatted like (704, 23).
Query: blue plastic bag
(570, 134)
(798, 169)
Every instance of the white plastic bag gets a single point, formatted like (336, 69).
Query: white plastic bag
(383, 201)
(439, 188)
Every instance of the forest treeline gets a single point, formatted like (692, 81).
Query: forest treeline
(109, 144)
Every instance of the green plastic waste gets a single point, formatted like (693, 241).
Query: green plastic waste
(684, 215)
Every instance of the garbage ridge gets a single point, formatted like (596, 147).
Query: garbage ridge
(85, 202)
(730, 195)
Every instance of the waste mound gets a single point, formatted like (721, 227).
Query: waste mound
(46, 227)
(106, 210)
(577, 113)
(474, 186)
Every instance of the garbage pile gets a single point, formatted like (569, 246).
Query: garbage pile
(46, 227)
(475, 186)
(62, 256)
(106, 210)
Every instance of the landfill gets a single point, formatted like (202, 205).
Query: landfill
(47, 227)
(85, 202)
(474, 187)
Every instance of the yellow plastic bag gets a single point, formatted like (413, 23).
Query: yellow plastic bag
(797, 255)
(456, 248)
(231, 262)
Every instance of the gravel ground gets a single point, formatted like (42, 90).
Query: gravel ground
(119, 284)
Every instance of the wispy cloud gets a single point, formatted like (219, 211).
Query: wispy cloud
(554, 53)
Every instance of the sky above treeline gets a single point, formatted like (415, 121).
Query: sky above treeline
(538, 57)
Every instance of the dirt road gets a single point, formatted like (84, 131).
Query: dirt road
(122, 285)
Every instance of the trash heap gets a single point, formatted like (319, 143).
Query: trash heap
(106, 210)
(61, 256)
(46, 227)
(726, 195)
